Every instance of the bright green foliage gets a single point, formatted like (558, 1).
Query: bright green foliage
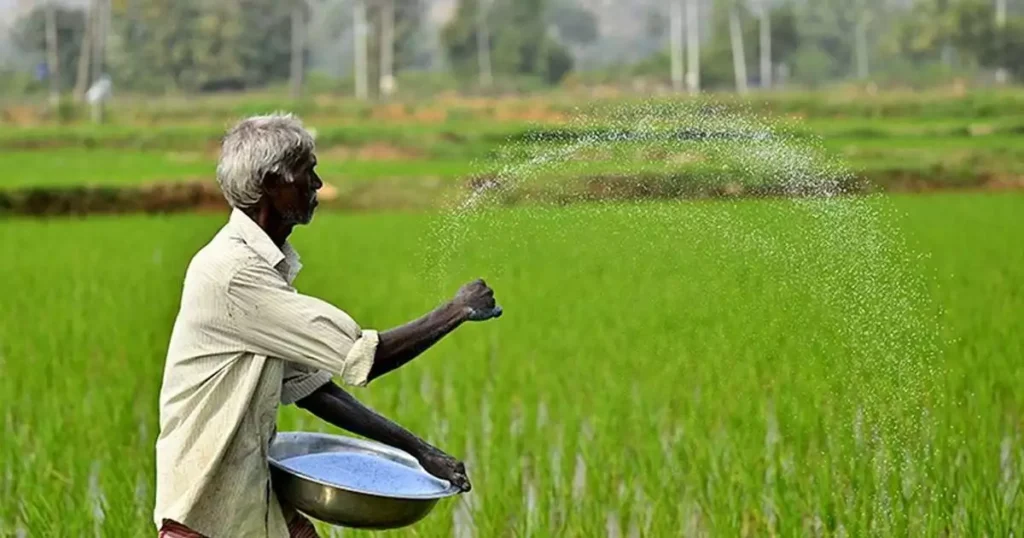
(938, 150)
(773, 367)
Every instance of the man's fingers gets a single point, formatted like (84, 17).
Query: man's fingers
(460, 480)
(489, 311)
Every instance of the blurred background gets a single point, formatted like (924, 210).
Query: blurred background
(375, 49)
(415, 93)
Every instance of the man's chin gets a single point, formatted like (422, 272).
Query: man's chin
(302, 220)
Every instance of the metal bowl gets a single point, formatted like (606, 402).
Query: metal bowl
(344, 506)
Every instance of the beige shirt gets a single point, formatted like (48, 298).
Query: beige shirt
(244, 341)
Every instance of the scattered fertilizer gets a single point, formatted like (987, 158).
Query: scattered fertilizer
(366, 473)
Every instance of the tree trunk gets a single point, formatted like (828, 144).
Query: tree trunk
(861, 44)
(85, 54)
(387, 48)
(739, 57)
(1001, 74)
(359, 16)
(52, 58)
(766, 45)
(676, 44)
(483, 45)
(100, 27)
(692, 47)
(298, 48)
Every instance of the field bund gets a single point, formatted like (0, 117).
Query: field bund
(162, 158)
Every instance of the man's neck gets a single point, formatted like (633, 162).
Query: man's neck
(271, 223)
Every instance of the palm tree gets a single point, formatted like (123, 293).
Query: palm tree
(676, 43)
(52, 58)
(739, 59)
(692, 47)
(360, 33)
(765, 48)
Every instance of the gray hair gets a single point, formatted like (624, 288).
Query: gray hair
(258, 146)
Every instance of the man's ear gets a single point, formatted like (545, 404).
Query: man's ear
(272, 182)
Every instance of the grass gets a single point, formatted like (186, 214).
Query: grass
(204, 135)
(832, 102)
(107, 167)
(742, 368)
(83, 167)
(948, 158)
(939, 146)
(437, 136)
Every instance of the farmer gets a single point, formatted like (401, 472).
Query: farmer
(245, 341)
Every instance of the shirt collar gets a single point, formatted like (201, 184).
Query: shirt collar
(284, 259)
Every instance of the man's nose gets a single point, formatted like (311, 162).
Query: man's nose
(317, 182)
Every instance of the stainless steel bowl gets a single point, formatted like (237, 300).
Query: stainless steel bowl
(343, 506)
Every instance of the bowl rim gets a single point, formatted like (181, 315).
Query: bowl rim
(371, 446)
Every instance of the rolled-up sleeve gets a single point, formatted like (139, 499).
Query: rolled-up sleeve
(299, 381)
(273, 319)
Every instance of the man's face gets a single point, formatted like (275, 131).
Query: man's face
(296, 201)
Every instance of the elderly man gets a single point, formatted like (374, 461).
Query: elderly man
(245, 341)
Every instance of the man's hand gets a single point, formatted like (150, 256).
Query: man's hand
(473, 302)
(331, 403)
(477, 300)
(444, 467)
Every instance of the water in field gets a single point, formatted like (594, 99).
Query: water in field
(842, 278)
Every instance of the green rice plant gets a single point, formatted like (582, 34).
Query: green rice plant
(720, 368)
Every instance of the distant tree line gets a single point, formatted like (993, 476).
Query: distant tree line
(199, 45)
(815, 42)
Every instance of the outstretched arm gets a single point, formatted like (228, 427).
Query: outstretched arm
(474, 302)
(404, 343)
(332, 404)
